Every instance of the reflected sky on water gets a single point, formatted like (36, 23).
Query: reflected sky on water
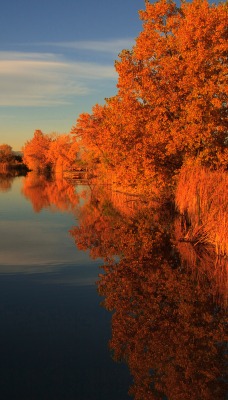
(37, 241)
(53, 332)
(163, 301)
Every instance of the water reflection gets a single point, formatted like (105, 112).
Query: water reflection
(52, 194)
(167, 298)
(53, 333)
(168, 303)
(6, 181)
(40, 242)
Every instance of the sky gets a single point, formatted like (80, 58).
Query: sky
(57, 61)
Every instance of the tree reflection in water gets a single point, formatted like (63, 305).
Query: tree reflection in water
(168, 302)
(54, 194)
(6, 179)
(168, 298)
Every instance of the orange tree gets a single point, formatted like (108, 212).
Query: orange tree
(171, 102)
(177, 70)
(50, 152)
(35, 152)
(91, 136)
(6, 153)
(62, 153)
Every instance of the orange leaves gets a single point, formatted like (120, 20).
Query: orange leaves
(6, 153)
(172, 97)
(177, 68)
(62, 153)
(35, 151)
(53, 153)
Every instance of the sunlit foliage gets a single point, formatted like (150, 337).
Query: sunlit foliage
(6, 154)
(35, 151)
(171, 102)
(53, 153)
(202, 199)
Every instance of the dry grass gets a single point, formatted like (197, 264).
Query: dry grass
(202, 196)
(204, 264)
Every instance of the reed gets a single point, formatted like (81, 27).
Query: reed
(202, 197)
(207, 267)
(4, 167)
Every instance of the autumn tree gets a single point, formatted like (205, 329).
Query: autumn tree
(50, 152)
(92, 136)
(62, 153)
(171, 103)
(6, 153)
(35, 151)
(177, 70)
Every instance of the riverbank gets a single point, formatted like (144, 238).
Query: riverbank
(201, 198)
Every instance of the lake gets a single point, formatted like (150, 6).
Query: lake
(100, 300)
(54, 333)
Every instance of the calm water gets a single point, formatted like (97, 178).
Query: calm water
(162, 317)
(54, 333)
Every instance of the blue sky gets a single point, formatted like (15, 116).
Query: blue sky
(57, 61)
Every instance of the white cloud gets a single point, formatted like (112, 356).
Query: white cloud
(16, 55)
(41, 79)
(104, 46)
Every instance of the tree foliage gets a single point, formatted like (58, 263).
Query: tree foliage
(51, 152)
(171, 102)
(35, 151)
(6, 153)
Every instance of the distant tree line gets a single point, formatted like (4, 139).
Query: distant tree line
(170, 107)
(46, 153)
(9, 160)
